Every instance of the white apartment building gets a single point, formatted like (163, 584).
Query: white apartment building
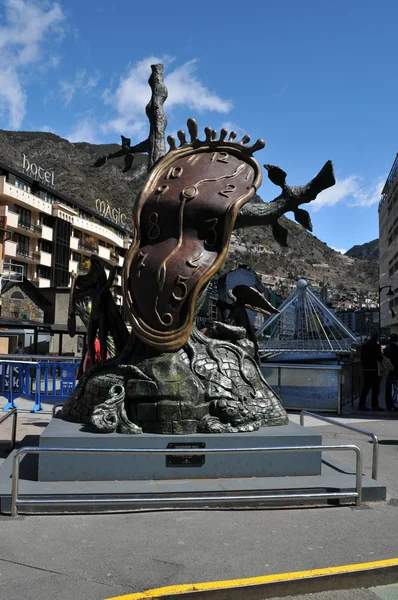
(47, 236)
(388, 250)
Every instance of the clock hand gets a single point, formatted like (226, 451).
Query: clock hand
(231, 176)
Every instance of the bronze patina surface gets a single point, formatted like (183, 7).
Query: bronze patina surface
(183, 219)
(170, 377)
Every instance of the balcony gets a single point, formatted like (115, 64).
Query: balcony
(103, 252)
(74, 243)
(26, 255)
(34, 230)
(47, 233)
(44, 282)
(64, 212)
(98, 230)
(73, 266)
(90, 248)
(10, 248)
(24, 198)
(12, 220)
(45, 258)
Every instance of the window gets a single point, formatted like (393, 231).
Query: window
(17, 296)
(44, 272)
(76, 257)
(62, 234)
(48, 197)
(22, 185)
(45, 246)
(46, 220)
(22, 244)
(24, 215)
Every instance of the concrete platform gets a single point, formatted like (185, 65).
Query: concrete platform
(334, 477)
(101, 467)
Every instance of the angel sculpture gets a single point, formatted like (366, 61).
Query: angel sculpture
(104, 318)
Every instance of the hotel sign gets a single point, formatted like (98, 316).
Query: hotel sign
(36, 172)
(104, 208)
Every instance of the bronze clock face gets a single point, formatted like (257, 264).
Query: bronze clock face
(183, 217)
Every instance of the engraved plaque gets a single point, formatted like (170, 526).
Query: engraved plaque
(183, 460)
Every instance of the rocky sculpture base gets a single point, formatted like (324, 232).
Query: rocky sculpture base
(209, 386)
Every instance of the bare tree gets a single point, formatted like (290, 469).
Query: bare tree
(250, 215)
(154, 145)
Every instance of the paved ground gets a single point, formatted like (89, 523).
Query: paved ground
(387, 592)
(97, 557)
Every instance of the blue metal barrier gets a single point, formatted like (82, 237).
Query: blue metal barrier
(39, 381)
(12, 376)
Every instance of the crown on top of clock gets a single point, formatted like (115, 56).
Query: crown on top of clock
(211, 138)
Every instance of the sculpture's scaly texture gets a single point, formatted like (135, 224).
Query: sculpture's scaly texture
(171, 378)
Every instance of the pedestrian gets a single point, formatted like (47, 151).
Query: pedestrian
(19, 348)
(371, 356)
(391, 352)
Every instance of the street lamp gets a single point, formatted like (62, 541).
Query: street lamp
(389, 293)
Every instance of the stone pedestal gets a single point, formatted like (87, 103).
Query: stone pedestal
(101, 467)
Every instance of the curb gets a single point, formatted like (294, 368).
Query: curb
(362, 575)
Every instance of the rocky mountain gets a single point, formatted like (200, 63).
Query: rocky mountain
(306, 255)
(72, 163)
(368, 251)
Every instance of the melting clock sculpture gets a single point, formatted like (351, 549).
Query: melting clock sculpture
(171, 378)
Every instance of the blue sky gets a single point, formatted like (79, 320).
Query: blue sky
(316, 80)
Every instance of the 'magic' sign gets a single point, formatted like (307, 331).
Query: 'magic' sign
(37, 172)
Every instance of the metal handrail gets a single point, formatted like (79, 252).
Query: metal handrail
(375, 457)
(38, 358)
(301, 366)
(14, 413)
(32, 450)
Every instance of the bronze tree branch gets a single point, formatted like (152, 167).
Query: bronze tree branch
(154, 145)
(290, 199)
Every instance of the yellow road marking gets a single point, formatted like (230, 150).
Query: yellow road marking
(219, 585)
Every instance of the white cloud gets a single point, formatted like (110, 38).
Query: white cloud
(12, 97)
(81, 83)
(47, 129)
(22, 37)
(351, 191)
(230, 126)
(84, 131)
(133, 93)
(338, 250)
(186, 89)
